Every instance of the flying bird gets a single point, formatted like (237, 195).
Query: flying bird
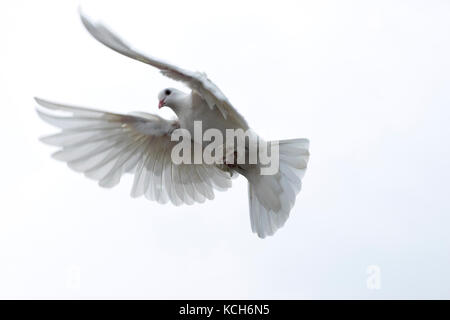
(105, 145)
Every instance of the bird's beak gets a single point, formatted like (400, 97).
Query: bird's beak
(161, 103)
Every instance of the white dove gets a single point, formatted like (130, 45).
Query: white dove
(105, 145)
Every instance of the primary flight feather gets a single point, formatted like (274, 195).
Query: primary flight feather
(105, 145)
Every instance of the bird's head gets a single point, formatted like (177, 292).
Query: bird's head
(171, 97)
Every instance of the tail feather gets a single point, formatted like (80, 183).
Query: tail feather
(271, 197)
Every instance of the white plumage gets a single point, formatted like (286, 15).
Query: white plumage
(105, 145)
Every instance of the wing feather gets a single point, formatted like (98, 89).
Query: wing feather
(105, 145)
(197, 81)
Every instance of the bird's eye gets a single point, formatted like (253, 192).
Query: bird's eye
(168, 92)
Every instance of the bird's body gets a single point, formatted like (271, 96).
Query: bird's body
(194, 108)
(106, 145)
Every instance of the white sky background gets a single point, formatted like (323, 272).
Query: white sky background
(366, 81)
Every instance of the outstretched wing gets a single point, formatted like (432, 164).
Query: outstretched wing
(197, 81)
(105, 145)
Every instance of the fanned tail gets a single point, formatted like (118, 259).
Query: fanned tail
(271, 197)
